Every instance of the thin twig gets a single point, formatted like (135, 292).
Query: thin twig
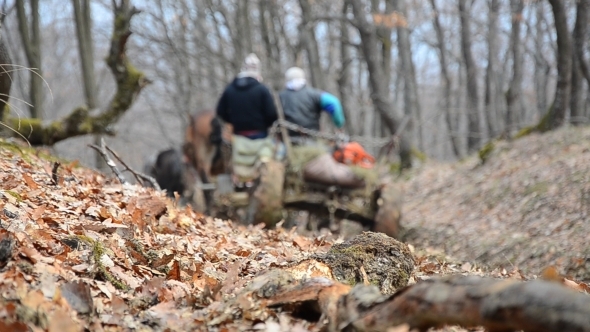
(54, 175)
(102, 151)
(140, 177)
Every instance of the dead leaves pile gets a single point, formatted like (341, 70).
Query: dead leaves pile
(86, 253)
(526, 207)
(89, 253)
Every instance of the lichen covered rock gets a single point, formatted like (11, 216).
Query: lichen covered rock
(371, 258)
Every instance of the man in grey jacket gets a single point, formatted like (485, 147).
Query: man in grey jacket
(303, 104)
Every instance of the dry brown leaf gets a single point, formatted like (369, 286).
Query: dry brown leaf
(31, 253)
(399, 328)
(391, 20)
(104, 289)
(30, 182)
(78, 296)
(118, 306)
(34, 299)
(13, 326)
(550, 273)
(174, 272)
(120, 274)
(302, 242)
(162, 261)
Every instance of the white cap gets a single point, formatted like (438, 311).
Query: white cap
(294, 73)
(251, 66)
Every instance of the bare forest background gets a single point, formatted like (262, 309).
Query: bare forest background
(461, 71)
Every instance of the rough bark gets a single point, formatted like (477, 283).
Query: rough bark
(384, 34)
(446, 79)
(83, 21)
(491, 88)
(558, 110)
(344, 79)
(580, 34)
(270, 47)
(542, 67)
(235, 61)
(467, 301)
(309, 42)
(5, 79)
(243, 30)
(581, 37)
(31, 38)
(86, 49)
(473, 136)
(280, 33)
(379, 92)
(497, 305)
(412, 106)
(513, 95)
(129, 82)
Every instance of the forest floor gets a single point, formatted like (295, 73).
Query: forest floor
(78, 250)
(527, 207)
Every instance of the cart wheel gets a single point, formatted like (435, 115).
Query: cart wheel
(266, 201)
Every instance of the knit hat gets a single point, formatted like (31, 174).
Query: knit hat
(251, 67)
(295, 78)
(294, 73)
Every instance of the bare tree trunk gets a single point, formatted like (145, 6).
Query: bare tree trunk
(309, 41)
(542, 68)
(473, 137)
(32, 44)
(580, 34)
(243, 29)
(5, 77)
(379, 93)
(344, 87)
(411, 104)
(564, 67)
(83, 21)
(384, 38)
(385, 42)
(280, 33)
(86, 49)
(270, 50)
(491, 88)
(513, 95)
(446, 79)
(236, 61)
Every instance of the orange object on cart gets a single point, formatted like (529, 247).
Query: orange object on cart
(354, 154)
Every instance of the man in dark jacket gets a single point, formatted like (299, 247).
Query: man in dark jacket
(246, 103)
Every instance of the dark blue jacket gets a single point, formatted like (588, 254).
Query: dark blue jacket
(249, 106)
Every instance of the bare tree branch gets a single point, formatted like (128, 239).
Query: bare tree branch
(129, 81)
(102, 151)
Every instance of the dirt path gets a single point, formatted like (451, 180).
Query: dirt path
(527, 207)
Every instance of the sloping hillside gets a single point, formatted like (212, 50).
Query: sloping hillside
(527, 207)
(79, 251)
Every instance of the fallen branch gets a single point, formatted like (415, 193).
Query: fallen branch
(140, 177)
(468, 301)
(102, 151)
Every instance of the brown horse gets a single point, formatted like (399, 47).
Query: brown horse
(203, 141)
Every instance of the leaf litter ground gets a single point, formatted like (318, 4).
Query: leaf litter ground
(527, 207)
(90, 253)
